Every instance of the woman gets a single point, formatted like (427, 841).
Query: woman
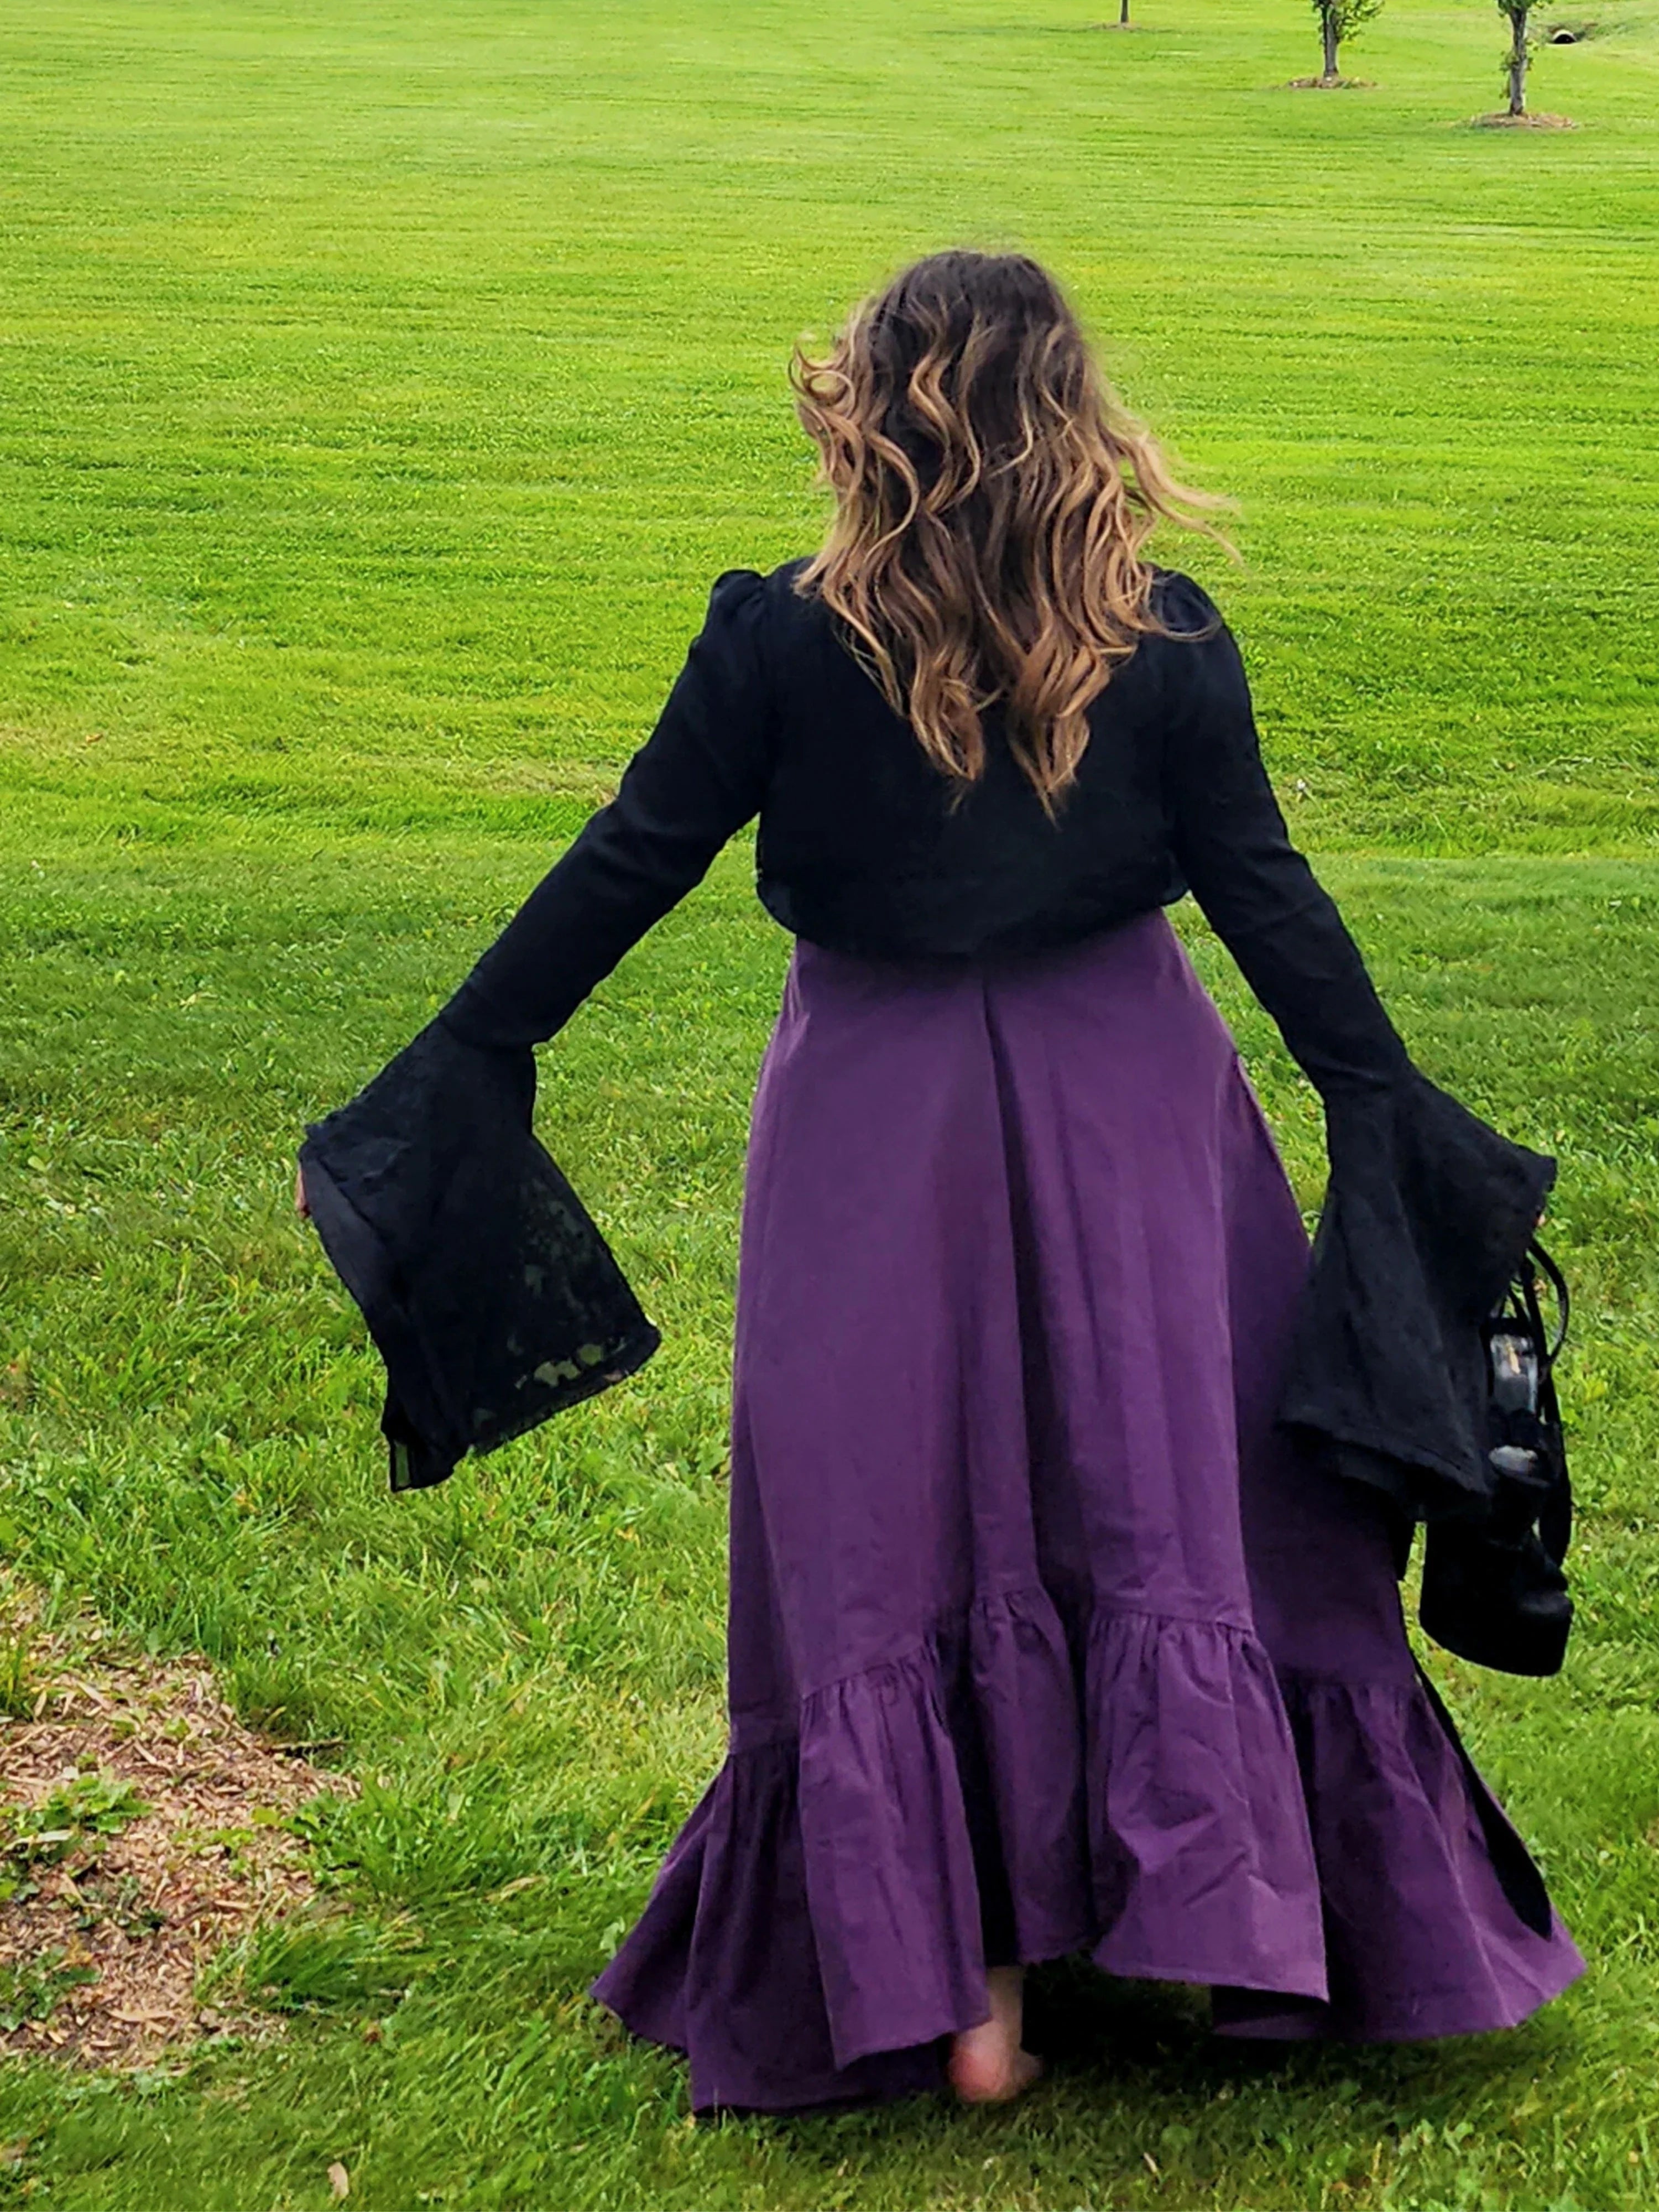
(1046, 1634)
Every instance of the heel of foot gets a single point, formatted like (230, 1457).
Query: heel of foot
(992, 2077)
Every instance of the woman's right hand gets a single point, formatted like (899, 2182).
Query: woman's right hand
(301, 1203)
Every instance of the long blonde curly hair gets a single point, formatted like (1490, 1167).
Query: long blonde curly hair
(992, 499)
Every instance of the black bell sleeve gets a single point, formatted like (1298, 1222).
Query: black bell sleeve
(1428, 1211)
(491, 1296)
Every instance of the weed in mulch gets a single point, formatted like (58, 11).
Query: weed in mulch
(29, 1990)
(17, 1685)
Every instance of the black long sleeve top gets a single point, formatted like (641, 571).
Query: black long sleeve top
(865, 847)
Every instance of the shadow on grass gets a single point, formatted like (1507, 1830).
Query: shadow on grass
(1141, 2057)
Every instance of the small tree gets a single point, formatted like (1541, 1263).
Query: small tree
(1519, 52)
(1340, 20)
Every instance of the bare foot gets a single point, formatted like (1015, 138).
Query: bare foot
(987, 2066)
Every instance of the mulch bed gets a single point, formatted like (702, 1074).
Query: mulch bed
(104, 1934)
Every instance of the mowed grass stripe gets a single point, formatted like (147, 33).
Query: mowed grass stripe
(382, 397)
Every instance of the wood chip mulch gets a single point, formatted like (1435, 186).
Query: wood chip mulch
(106, 1943)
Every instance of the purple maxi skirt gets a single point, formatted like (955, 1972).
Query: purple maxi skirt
(1044, 1638)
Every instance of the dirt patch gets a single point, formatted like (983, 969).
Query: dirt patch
(1501, 121)
(1332, 84)
(142, 1830)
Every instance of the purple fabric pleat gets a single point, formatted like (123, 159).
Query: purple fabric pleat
(1044, 1638)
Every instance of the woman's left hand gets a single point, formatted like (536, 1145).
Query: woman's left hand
(301, 1203)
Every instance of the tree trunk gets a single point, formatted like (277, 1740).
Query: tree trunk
(1328, 25)
(1123, 15)
(1517, 62)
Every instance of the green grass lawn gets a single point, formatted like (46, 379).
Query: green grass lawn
(379, 391)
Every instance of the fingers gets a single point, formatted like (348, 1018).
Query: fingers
(301, 1204)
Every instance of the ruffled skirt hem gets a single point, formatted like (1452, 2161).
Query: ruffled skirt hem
(1144, 1791)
